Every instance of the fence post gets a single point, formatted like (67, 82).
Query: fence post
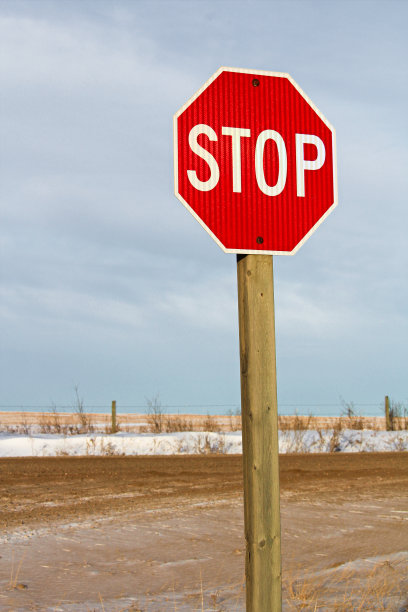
(387, 414)
(114, 429)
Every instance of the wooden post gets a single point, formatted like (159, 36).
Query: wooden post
(259, 433)
(387, 414)
(114, 430)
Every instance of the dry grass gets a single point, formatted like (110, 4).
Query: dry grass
(235, 420)
(51, 423)
(295, 423)
(384, 587)
(178, 423)
(335, 437)
(157, 421)
(14, 574)
(209, 423)
(367, 586)
(398, 417)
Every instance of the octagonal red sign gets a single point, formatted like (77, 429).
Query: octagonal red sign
(255, 161)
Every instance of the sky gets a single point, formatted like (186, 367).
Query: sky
(109, 285)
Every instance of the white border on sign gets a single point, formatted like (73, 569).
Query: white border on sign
(282, 75)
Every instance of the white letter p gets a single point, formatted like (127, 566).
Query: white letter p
(303, 164)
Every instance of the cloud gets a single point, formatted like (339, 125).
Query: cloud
(206, 303)
(96, 250)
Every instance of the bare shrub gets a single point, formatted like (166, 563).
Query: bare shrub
(56, 423)
(349, 414)
(235, 421)
(209, 423)
(356, 423)
(25, 427)
(221, 443)
(206, 445)
(50, 422)
(85, 422)
(295, 422)
(321, 438)
(99, 446)
(177, 423)
(108, 449)
(155, 414)
(302, 423)
(295, 443)
(283, 424)
(398, 416)
(400, 444)
(10, 429)
(349, 410)
(46, 423)
(334, 442)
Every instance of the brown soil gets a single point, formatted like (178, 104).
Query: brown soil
(118, 530)
(34, 490)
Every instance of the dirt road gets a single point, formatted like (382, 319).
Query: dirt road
(33, 491)
(166, 533)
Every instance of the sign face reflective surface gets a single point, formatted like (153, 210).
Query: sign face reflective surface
(255, 161)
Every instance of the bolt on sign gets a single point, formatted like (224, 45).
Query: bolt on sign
(255, 161)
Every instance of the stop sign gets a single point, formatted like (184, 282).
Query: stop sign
(255, 161)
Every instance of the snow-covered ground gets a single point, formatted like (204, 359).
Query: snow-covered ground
(308, 441)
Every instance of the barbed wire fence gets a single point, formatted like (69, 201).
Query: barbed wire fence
(200, 408)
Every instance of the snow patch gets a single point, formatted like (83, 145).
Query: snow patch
(123, 443)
